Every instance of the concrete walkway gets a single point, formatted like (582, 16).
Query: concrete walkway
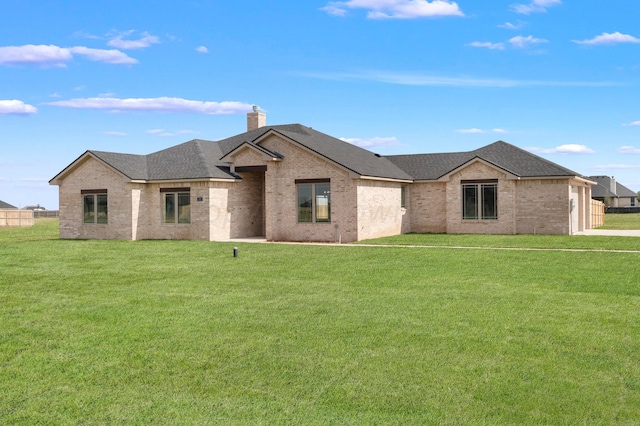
(592, 232)
(610, 232)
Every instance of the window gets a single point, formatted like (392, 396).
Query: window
(480, 200)
(314, 200)
(403, 196)
(176, 204)
(94, 202)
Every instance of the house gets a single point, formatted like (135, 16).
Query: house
(293, 183)
(5, 206)
(36, 208)
(612, 193)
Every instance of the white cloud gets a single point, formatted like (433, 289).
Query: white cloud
(111, 56)
(413, 79)
(609, 38)
(396, 9)
(472, 130)
(202, 49)
(522, 42)
(617, 167)
(154, 131)
(30, 54)
(16, 107)
(476, 130)
(510, 26)
(535, 6)
(144, 41)
(633, 123)
(565, 149)
(162, 104)
(55, 56)
(628, 150)
(113, 133)
(487, 44)
(375, 142)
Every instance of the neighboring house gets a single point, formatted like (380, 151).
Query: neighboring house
(612, 193)
(293, 183)
(36, 208)
(4, 205)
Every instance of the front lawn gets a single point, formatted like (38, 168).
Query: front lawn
(166, 332)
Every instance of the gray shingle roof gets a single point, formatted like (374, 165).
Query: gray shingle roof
(201, 159)
(191, 160)
(4, 205)
(602, 189)
(354, 158)
(508, 157)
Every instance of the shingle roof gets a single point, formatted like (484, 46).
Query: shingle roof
(201, 159)
(508, 157)
(602, 189)
(190, 160)
(4, 205)
(356, 159)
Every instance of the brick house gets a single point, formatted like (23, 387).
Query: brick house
(612, 193)
(293, 183)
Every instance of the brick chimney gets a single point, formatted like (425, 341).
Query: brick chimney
(256, 119)
(613, 187)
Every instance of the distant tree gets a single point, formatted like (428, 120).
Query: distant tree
(638, 197)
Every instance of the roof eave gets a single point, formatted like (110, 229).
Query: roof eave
(447, 176)
(56, 180)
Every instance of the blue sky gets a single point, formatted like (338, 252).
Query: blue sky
(560, 78)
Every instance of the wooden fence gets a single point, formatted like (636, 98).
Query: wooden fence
(46, 213)
(14, 217)
(597, 213)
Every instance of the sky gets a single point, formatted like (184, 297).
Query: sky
(559, 78)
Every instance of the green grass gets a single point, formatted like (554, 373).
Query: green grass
(621, 221)
(165, 332)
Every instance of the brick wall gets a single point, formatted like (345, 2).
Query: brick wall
(506, 222)
(92, 174)
(427, 207)
(543, 206)
(281, 196)
(379, 211)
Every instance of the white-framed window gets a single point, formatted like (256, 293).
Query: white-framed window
(95, 206)
(176, 205)
(480, 200)
(313, 200)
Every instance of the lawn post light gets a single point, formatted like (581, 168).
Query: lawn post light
(235, 252)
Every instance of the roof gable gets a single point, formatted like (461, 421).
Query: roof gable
(265, 153)
(351, 157)
(502, 155)
(124, 164)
